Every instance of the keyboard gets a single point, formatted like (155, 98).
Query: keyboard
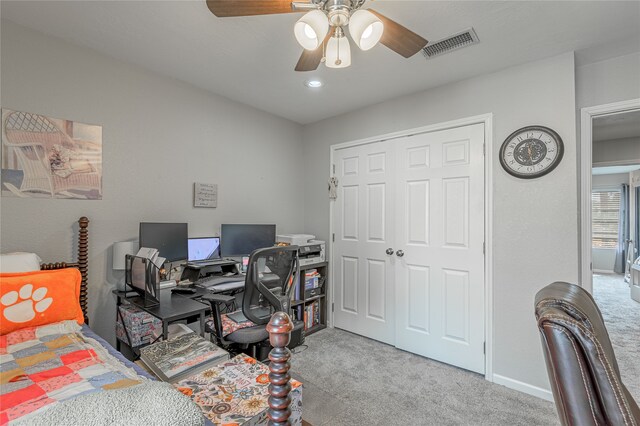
(201, 263)
(222, 283)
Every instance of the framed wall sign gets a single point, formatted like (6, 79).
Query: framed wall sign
(205, 195)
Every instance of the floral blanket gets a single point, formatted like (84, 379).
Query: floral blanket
(42, 366)
(235, 392)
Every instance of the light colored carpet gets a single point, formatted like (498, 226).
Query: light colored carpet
(622, 318)
(352, 380)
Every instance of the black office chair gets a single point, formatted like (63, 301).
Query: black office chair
(270, 278)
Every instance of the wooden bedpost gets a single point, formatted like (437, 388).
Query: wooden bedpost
(83, 263)
(279, 328)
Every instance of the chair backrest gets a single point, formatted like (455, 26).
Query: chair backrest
(582, 367)
(271, 277)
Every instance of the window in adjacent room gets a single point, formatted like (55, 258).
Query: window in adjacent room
(605, 216)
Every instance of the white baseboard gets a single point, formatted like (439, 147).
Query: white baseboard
(523, 387)
(603, 271)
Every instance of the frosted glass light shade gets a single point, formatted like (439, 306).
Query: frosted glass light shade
(311, 29)
(365, 29)
(338, 53)
(120, 250)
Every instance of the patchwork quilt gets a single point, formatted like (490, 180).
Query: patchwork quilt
(235, 393)
(42, 366)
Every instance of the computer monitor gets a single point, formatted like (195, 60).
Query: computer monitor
(242, 240)
(205, 248)
(169, 238)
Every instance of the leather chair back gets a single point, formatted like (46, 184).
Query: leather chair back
(582, 367)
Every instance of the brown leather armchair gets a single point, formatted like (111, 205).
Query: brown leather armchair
(582, 367)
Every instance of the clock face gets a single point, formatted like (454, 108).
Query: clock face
(531, 152)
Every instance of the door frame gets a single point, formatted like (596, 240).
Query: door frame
(487, 120)
(586, 164)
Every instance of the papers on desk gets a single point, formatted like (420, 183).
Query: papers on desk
(153, 255)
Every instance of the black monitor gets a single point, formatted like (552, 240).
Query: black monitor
(242, 240)
(169, 238)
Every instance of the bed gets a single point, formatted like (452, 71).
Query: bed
(55, 370)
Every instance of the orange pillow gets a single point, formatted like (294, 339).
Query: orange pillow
(29, 299)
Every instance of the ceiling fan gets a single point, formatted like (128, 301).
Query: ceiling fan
(321, 31)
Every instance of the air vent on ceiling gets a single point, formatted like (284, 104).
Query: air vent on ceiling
(449, 44)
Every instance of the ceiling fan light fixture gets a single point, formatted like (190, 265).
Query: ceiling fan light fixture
(365, 28)
(338, 53)
(311, 29)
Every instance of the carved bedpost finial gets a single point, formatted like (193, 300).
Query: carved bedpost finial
(279, 328)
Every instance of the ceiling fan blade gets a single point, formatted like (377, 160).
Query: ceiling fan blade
(227, 8)
(310, 59)
(398, 38)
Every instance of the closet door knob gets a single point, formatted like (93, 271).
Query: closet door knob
(389, 251)
(399, 253)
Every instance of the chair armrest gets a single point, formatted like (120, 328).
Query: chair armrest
(217, 302)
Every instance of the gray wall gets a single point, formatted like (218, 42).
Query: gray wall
(634, 181)
(535, 224)
(603, 260)
(626, 149)
(612, 80)
(609, 181)
(159, 137)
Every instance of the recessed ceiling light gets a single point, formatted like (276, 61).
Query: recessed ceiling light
(314, 84)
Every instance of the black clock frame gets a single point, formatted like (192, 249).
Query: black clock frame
(543, 172)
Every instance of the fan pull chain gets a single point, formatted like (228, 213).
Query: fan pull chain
(338, 60)
(324, 51)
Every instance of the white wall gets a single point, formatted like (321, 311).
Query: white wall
(626, 149)
(535, 224)
(159, 137)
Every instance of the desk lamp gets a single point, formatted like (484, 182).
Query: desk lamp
(120, 250)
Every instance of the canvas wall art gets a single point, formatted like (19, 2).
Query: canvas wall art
(50, 157)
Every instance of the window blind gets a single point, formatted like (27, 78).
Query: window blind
(605, 215)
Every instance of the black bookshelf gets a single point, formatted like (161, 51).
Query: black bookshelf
(315, 305)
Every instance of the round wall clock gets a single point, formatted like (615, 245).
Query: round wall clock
(531, 152)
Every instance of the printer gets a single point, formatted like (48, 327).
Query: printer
(310, 251)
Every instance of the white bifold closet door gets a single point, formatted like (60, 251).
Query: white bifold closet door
(421, 196)
(363, 218)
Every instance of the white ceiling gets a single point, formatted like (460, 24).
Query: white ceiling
(251, 59)
(617, 126)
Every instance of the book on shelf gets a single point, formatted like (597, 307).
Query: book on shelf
(311, 279)
(186, 355)
(311, 315)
